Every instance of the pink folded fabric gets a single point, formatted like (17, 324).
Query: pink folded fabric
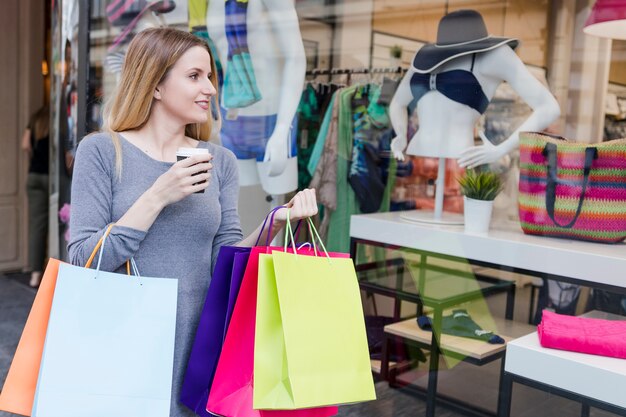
(581, 334)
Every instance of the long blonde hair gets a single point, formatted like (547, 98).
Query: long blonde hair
(150, 56)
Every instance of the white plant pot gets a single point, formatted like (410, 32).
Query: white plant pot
(477, 215)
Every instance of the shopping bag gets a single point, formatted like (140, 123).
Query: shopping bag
(232, 389)
(572, 190)
(19, 387)
(212, 327)
(109, 348)
(310, 346)
(207, 345)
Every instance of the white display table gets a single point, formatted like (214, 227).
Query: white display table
(587, 263)
(505, 247)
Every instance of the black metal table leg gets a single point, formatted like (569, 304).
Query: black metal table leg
(585, 409)
(384, 360)
(504, 397)
(506, 392)
(353, 244)
(531, 308)
(510, 302)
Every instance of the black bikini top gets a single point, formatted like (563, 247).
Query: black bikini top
(458, 85)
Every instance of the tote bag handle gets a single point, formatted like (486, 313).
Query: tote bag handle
(550, 151)
(99, 245)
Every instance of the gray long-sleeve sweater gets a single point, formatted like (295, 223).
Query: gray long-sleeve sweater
(182, 243)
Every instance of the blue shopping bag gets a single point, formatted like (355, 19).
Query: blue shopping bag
(109, 347)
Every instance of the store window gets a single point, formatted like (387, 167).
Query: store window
(398, 113)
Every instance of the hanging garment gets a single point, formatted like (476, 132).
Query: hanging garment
(325, 176)
(309, 121)
(387, 91)
(247, 136)
(460, 323)
(197, 14)
(339, 223)
(365, 175)
(318, 148)
(240, 86)
(334, 168)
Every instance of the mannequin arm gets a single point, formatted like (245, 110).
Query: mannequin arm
(504, 64)
(283, 18)
(399, 116)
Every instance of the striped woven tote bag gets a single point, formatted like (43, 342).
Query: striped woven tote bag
(572, 190)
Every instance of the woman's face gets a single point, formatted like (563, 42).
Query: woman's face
(186, 91)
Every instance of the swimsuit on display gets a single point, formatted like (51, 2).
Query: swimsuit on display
(247, 136)
(240, 87)
(458, 85)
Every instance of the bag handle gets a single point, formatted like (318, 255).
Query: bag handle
(312, 231)
(99, 245)
(269, 215)
(550, 150)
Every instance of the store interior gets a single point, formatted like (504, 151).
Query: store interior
(348, 63)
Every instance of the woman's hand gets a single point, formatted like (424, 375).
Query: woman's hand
(179, 181)
(301, 206)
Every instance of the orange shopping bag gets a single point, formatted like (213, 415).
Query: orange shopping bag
(18, 391)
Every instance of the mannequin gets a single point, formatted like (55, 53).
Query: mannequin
(447, 126)
(278, 60)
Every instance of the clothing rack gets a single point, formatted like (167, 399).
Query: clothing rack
(349, 71)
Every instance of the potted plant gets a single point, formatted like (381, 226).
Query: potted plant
(479, 189)
(395, 52)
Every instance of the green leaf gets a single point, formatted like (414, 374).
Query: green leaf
(480, 185)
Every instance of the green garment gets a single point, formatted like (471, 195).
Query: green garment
(338, 238)
(318, 149)
(308, 130)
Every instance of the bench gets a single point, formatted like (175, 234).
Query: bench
(476, 352)
(595, 381)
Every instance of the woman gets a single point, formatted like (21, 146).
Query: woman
(128, 174)
(35, 144)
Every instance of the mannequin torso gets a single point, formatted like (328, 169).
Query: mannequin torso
(447, 127)
(277, 56)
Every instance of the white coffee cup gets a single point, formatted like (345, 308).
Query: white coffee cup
(184, 153)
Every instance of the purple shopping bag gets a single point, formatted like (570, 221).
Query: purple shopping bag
(218, 307)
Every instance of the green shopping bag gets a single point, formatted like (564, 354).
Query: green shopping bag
(310, 343)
